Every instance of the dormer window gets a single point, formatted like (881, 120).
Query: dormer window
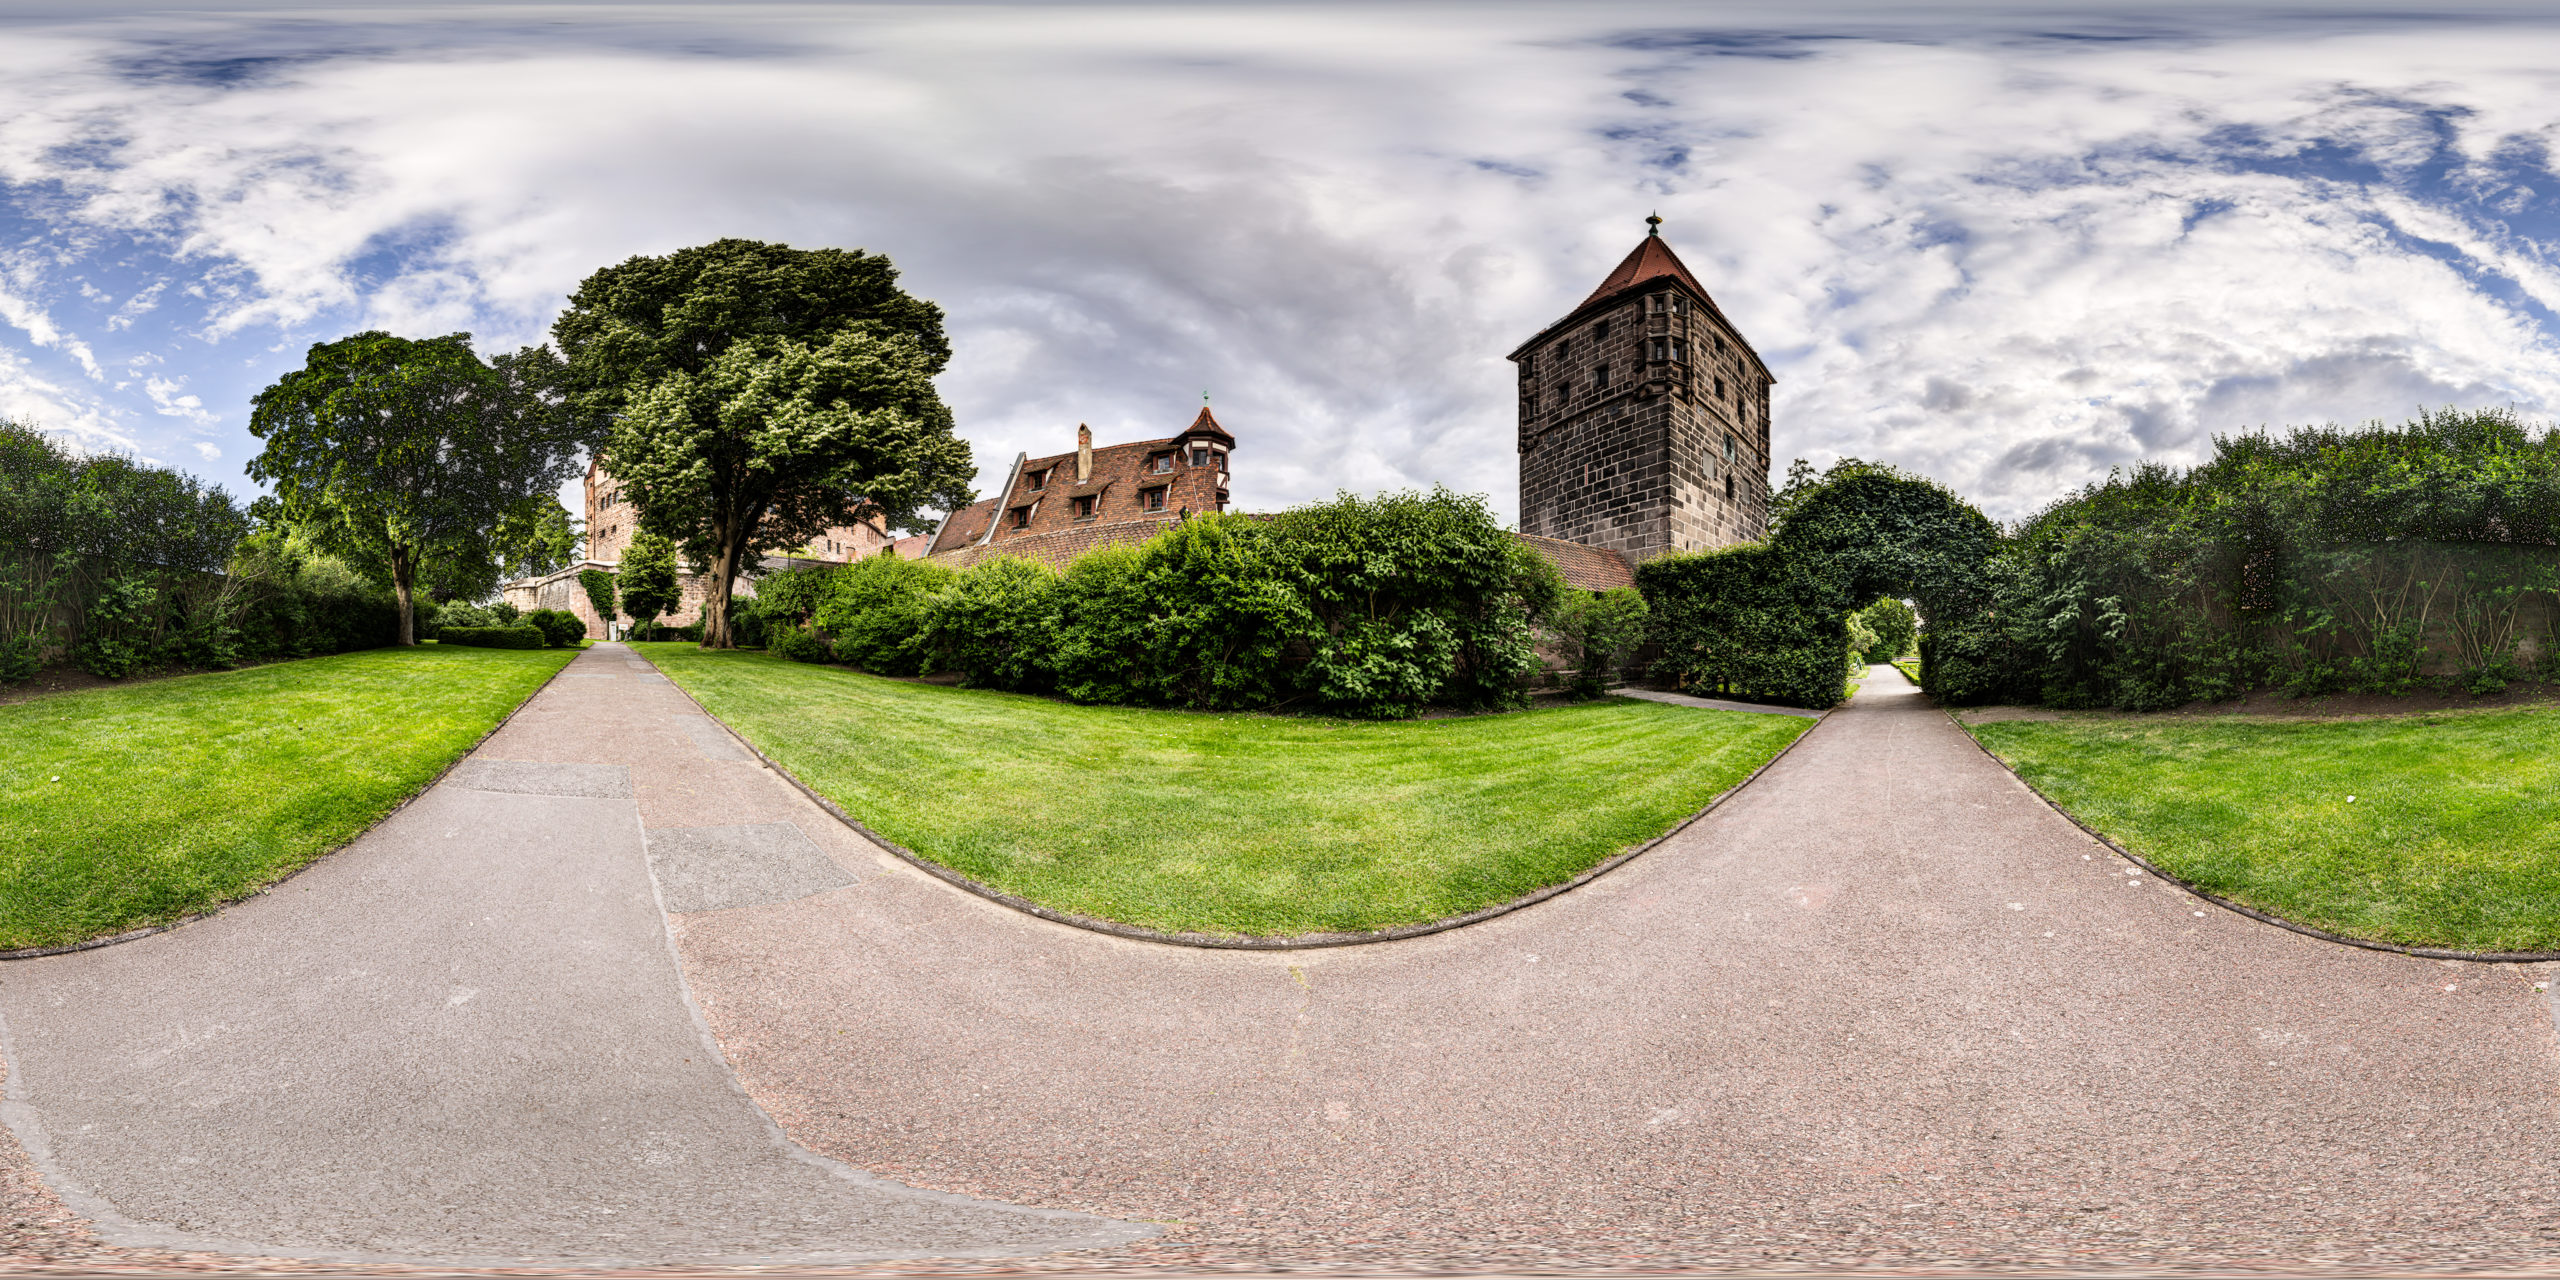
(1160, 463)
(1151, 499)
(1084, 507)
(1035, 479)
(1022, 517)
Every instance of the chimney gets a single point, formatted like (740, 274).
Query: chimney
(1084, 454)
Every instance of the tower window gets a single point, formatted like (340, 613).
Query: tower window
(1661, 348)
(1529, 365)
(1728, 451)
(1728, 486)
(1719, 344)
(1564, 348)
(1653, 303)
(1600, 331)
(1679, 304)
(1599, 376)
(1680, 350)
(1719, 388)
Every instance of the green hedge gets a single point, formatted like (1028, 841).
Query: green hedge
(1759, 621)
(519, 636)
(1365, 607)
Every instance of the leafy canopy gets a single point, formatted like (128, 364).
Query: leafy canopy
(404, 453)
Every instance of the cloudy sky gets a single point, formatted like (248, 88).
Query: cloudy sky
(2008, 247)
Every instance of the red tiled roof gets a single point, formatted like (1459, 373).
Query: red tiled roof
(1207, 425)
(1652, 259)
(964, 526)
(1588, 568)
(1055, 549)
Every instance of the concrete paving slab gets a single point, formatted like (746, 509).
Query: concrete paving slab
(539, 778)
(710, 737)
(717, 868)
(461, 1041)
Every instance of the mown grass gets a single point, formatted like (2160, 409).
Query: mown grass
(2452, 839)
(134, 806)
(1234, 824)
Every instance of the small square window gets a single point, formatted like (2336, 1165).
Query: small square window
(1022, 517)
(1035, 480)
(1159, 463)
(1084, 507)
(1152, 499)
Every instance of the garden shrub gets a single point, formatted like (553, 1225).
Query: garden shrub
(879, 613)
(560, 627)
(791, 597)
(1861, 639)
(797, 644)
(997, 624)
(1598, 629)
(1759, 621)
(1893, 626)
(515, 636)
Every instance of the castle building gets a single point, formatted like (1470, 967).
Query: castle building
(1644, 418)
(1058, 507)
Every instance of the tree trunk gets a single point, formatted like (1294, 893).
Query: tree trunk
(403, 574)
(724, 570)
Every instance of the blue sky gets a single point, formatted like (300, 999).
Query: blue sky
(2009, 247)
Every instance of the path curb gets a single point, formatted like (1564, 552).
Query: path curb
(2308, 931)
(36, 953)
(1227, 942)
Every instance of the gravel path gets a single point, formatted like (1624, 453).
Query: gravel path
(1883, 1009)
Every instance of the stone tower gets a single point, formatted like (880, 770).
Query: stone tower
(1644, 417)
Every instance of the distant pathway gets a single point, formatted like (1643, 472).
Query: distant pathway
(1882, 1007)
(463, 1039)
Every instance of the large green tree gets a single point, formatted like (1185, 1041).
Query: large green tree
(538, 536)
(404, 454)
(761, 394)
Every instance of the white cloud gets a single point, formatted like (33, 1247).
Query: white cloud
(2010, 263)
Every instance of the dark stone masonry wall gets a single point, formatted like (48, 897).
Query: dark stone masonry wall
(1639, 463)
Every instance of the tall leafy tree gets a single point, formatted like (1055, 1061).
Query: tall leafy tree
(648, 578)
(404, 454)
(538, 536)
(761, 394)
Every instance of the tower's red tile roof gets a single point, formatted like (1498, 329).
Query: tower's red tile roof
(1651, 259)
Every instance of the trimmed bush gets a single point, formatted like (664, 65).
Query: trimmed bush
(518, 636)
(1758, 621)
(1599, 629)
(560, 627)
(998, 625)
(797, 644)
(879, 612)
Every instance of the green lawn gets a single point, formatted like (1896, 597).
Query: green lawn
(132, 806)
(1235, 824)
(2452, 840)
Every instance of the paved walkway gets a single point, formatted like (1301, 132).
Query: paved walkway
(1881, 1007)
(463, 1039)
